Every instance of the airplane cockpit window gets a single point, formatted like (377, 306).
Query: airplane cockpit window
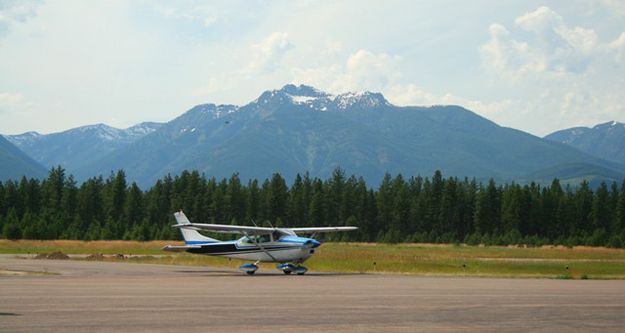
(256, 239)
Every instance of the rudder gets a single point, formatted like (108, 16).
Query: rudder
(191, 236)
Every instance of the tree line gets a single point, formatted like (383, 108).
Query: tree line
(415, 209)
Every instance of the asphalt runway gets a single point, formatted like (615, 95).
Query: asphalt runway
(123, 297)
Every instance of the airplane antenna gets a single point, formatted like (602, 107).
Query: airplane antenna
(271, 225)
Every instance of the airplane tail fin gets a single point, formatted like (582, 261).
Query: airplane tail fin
(191, 236)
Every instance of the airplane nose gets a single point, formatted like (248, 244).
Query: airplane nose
(310, 243)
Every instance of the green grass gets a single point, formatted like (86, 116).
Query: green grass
(419, 259)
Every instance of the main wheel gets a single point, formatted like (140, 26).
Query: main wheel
(301, 270)
(287, 272)
(250, 272)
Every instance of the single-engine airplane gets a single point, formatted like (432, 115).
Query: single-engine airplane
(258, 244)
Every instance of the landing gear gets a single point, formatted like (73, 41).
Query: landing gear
(250, 269)
(301, 270)
(290, 268)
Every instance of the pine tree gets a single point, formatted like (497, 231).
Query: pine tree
(29, 227)
(297, 205)
(434, 211)
(401, 208)
(12, 199)
(2, 202)
(316, 213)
(619, 224)
(601, 212)
(385, 203)
(449, 216)
(69, 199)
(235, 201)
(277, 199)
(488, 210)
(134, 208)
(336, 188)
(12, 228)
(117, 188)
(584, 206)
(253, 200)
(52, 188)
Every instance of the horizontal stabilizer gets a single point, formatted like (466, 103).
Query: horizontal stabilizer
(181, 248)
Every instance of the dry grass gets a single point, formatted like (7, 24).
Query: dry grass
(82, 247)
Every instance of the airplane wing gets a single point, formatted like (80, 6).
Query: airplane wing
(227, 229)
(176, 248)
(321, 229)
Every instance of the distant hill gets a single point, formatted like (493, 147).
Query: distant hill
(606, 141)
(75, 148)
(14, 163)
(298, 128)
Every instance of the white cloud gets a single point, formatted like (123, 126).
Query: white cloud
(363, 70)
(10, 101)
(618, 47)
(567, 75)
(136, 61)
(332, 48)
(540, 21)
(410, 94)
(615, 7)
(266, 55)
(14, 12)
(208, 89)
(203, 14)
(508, 55)
(552, 46)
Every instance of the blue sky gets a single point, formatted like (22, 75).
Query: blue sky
(535, 66)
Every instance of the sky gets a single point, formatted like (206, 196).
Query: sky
(532, 65)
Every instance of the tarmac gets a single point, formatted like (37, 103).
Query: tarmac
(82, 296)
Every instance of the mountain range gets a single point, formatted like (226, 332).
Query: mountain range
(77, 148)
(606, 141)
(14, 163)
(299, 129)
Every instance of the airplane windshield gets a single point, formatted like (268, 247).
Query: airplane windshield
(256, 239)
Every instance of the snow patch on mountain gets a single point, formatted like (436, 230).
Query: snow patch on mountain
(214, 111)
(23, 138)
(317, 100)
(142, 129)
(302, 99)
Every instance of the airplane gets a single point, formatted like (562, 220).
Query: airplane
(258, 244)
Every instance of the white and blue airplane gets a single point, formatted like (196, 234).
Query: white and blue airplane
(258, 244)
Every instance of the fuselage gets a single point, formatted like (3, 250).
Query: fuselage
(265, 249)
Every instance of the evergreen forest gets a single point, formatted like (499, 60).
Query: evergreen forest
(417, 209)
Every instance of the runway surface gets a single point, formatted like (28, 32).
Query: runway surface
(121, 297)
